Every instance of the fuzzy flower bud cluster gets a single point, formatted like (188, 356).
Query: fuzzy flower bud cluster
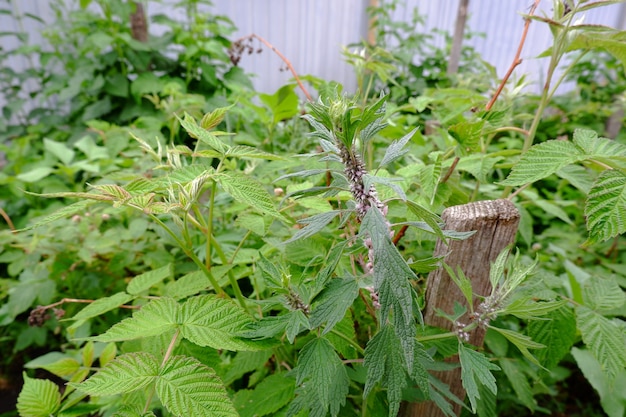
(355, 171)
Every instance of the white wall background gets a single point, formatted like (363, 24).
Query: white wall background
(311, 33)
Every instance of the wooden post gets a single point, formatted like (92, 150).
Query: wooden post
(495, 223)
(457, 39)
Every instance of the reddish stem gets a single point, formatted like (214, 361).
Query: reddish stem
(283, 57)
(517, 60)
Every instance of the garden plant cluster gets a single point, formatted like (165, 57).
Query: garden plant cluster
(176, 243)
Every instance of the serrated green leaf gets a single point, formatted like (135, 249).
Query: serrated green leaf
(115, 191)
(126, 373)
(298, 322)
(155, 318)
(578, 176)
(344, 332)
(430, 218)
(605, 339)
(369, 180)
(313, 225)
(603, 294)
(475, 371)
(600, 37)
(186, 174)
(129, 411)
(245, 362)
(189, 284)
(322, 376)
(267, 327)
(468, 134)
(146, 280)
(186, 387)
(396, 149)
(141, 185)
(330, 264)
(429, 181)
(612, 395)
(242, 151)
(391, 281)
(522, 342)
(463, 282)
(496, 273)
(385, 364)
(333, 302)
(214, 118)
(38, 398)
(269, 272)
(80, 207)
(543, 160)
(525, 308)
(63, 367)
(100, 306)
(200, 133)
(558, 334)
(519, 382)
(605, 209)
(211, 321)
(248, 191)
(273, 393)
(550, 207)
(60, 150)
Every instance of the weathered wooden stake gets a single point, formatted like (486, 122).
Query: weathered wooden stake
(495, 223)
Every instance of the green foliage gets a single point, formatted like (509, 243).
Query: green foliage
(241, 260)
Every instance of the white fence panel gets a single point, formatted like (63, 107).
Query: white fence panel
(312, 33)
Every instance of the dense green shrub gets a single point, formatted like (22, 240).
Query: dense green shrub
(234, 264)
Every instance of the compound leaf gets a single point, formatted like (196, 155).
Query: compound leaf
(322, 377)
(384, 360)
(391, 281)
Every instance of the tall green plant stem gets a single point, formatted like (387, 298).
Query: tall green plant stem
(558, 50)
(209, 223)
(231, 277)
(192, 256)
